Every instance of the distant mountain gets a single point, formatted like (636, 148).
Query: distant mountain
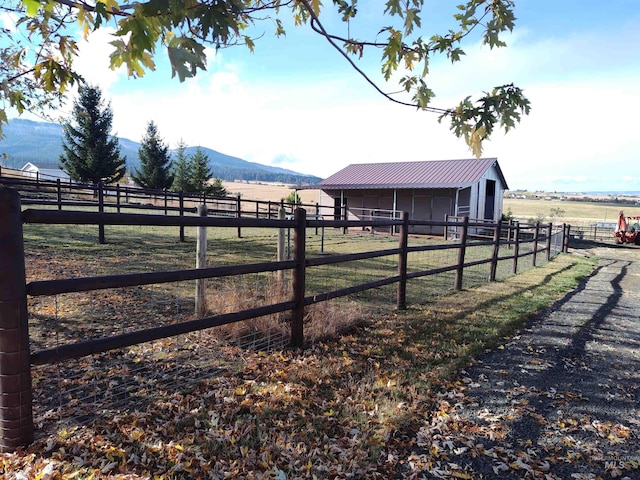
(41, 144)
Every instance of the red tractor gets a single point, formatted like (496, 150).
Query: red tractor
(628, 229)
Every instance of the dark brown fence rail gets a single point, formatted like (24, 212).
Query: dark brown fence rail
(16, 360)
(66, 194)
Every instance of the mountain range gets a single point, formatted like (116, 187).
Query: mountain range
(41, 144)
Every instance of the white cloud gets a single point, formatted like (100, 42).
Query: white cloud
(93, 60)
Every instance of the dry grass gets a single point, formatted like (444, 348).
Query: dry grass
(273, 192)
(572, 212)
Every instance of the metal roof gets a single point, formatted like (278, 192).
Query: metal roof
(398, 175)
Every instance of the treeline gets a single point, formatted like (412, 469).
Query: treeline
(231, 173)
(610, 200)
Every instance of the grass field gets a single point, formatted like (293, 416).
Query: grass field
(268, 191)
(573, 212)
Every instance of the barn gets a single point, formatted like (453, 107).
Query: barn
(427, 190)
(53, 174)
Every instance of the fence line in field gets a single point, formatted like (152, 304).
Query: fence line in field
(16, 359)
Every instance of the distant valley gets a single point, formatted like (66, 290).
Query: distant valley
(41, 144)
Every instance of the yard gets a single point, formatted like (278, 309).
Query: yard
(347, 405)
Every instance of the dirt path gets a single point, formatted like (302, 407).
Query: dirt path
(562, 400)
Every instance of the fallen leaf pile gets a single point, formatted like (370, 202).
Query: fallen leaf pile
(384, 400)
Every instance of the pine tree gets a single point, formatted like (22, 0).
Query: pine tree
(200, 171)
(91, 154)
(181, 170)
(155, 162)
(216, 188)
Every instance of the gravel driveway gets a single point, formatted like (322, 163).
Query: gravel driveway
(561, 400)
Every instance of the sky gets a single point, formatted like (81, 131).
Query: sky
(296, 103)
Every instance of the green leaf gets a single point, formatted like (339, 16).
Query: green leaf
(32, 7)
(186, 56)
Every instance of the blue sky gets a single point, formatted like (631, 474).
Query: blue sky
(297, 104)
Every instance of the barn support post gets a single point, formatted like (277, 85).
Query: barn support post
(548, 243)
(461, 253)
(100, 187)
(16, 415)
(536, 233)
(496, 251)
(401, 302)
(299, 272)
(201, 262)
(516, 247)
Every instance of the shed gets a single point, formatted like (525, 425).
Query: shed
(33, 171)
(427, 190)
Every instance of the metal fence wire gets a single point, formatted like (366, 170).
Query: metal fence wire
(349, 279)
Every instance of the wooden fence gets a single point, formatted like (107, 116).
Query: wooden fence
(66, 194)
(16, 359)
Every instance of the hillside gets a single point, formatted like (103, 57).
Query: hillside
(41, 144)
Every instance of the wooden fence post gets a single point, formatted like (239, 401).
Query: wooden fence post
(16, 416)
(536, 233)
(401, 302)
(510, 231)
(446, 226)
(345, 229)
(461, 253)
(566, 230)
(281, 249)
(548, 245)
(101, 238)
(298, 281)
(496, 251)
(239, 213)
(118, 197)
(201, 262)
(59, 193)
(166, 202)
(181, 204)
(516, 247)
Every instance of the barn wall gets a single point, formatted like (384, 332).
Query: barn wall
(490, 174)
(422, 204)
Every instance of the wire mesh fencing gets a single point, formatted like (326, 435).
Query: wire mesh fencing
(73, 392)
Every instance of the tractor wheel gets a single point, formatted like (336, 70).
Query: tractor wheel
(637, 240)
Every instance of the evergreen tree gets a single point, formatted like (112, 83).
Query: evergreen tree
(155, 162)
(200, 171)
(216, 188)
(192, 173)
(181, 170)
(91, 154)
